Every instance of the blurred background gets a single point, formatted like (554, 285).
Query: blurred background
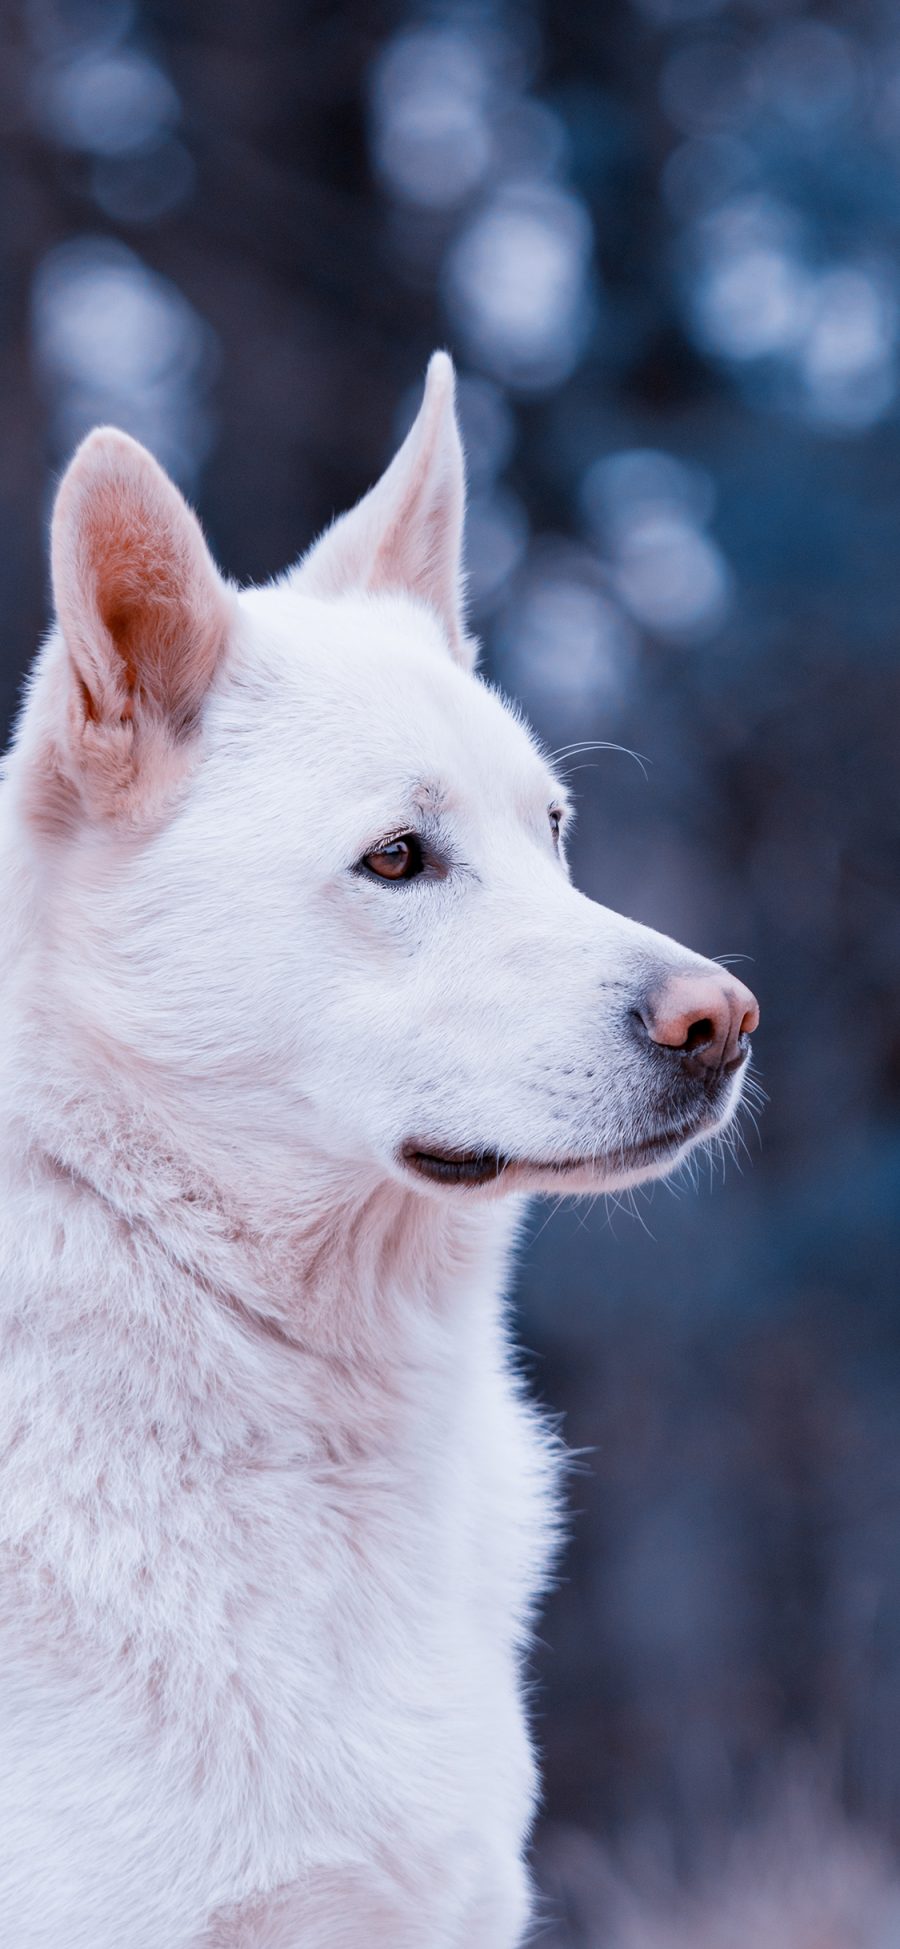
(662, 240)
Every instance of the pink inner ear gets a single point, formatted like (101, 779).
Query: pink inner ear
(420, 550)
(141, 606)
(405, 535)
(151, 597)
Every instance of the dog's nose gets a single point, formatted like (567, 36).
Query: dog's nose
(707, 1016)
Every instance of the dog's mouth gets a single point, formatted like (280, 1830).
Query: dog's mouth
(440, 1164)
(455, 1166)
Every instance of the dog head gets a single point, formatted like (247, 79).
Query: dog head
(302, 875)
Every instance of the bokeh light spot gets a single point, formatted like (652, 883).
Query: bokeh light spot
(517, 284)
(496, 540)
(114, 341)
(109, 103)
(564, 643)
(430, 135)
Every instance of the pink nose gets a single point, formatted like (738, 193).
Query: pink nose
(707, 1016)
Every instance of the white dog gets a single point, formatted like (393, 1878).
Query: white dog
(295, 989)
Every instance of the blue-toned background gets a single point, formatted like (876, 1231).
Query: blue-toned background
(662, 240)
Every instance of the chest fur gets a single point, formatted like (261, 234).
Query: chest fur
(300, 1585)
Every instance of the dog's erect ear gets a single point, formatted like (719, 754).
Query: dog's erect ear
(406, 533)
(142, 611)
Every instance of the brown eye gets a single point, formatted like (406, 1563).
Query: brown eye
(400, 859)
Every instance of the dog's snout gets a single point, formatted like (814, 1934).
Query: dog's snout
(706, 1017)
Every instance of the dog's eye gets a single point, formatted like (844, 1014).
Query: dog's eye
(399, 859)
(555, 817)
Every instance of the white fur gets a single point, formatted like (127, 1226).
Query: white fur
(274, 1512)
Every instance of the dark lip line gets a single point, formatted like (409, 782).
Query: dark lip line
(462, 1167)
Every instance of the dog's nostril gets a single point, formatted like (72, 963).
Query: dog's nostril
(703, 1016)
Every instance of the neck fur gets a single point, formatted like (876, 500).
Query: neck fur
(332, 1262)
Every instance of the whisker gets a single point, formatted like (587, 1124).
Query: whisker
(636, 1211)
(554, 1207)
(599, 744)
